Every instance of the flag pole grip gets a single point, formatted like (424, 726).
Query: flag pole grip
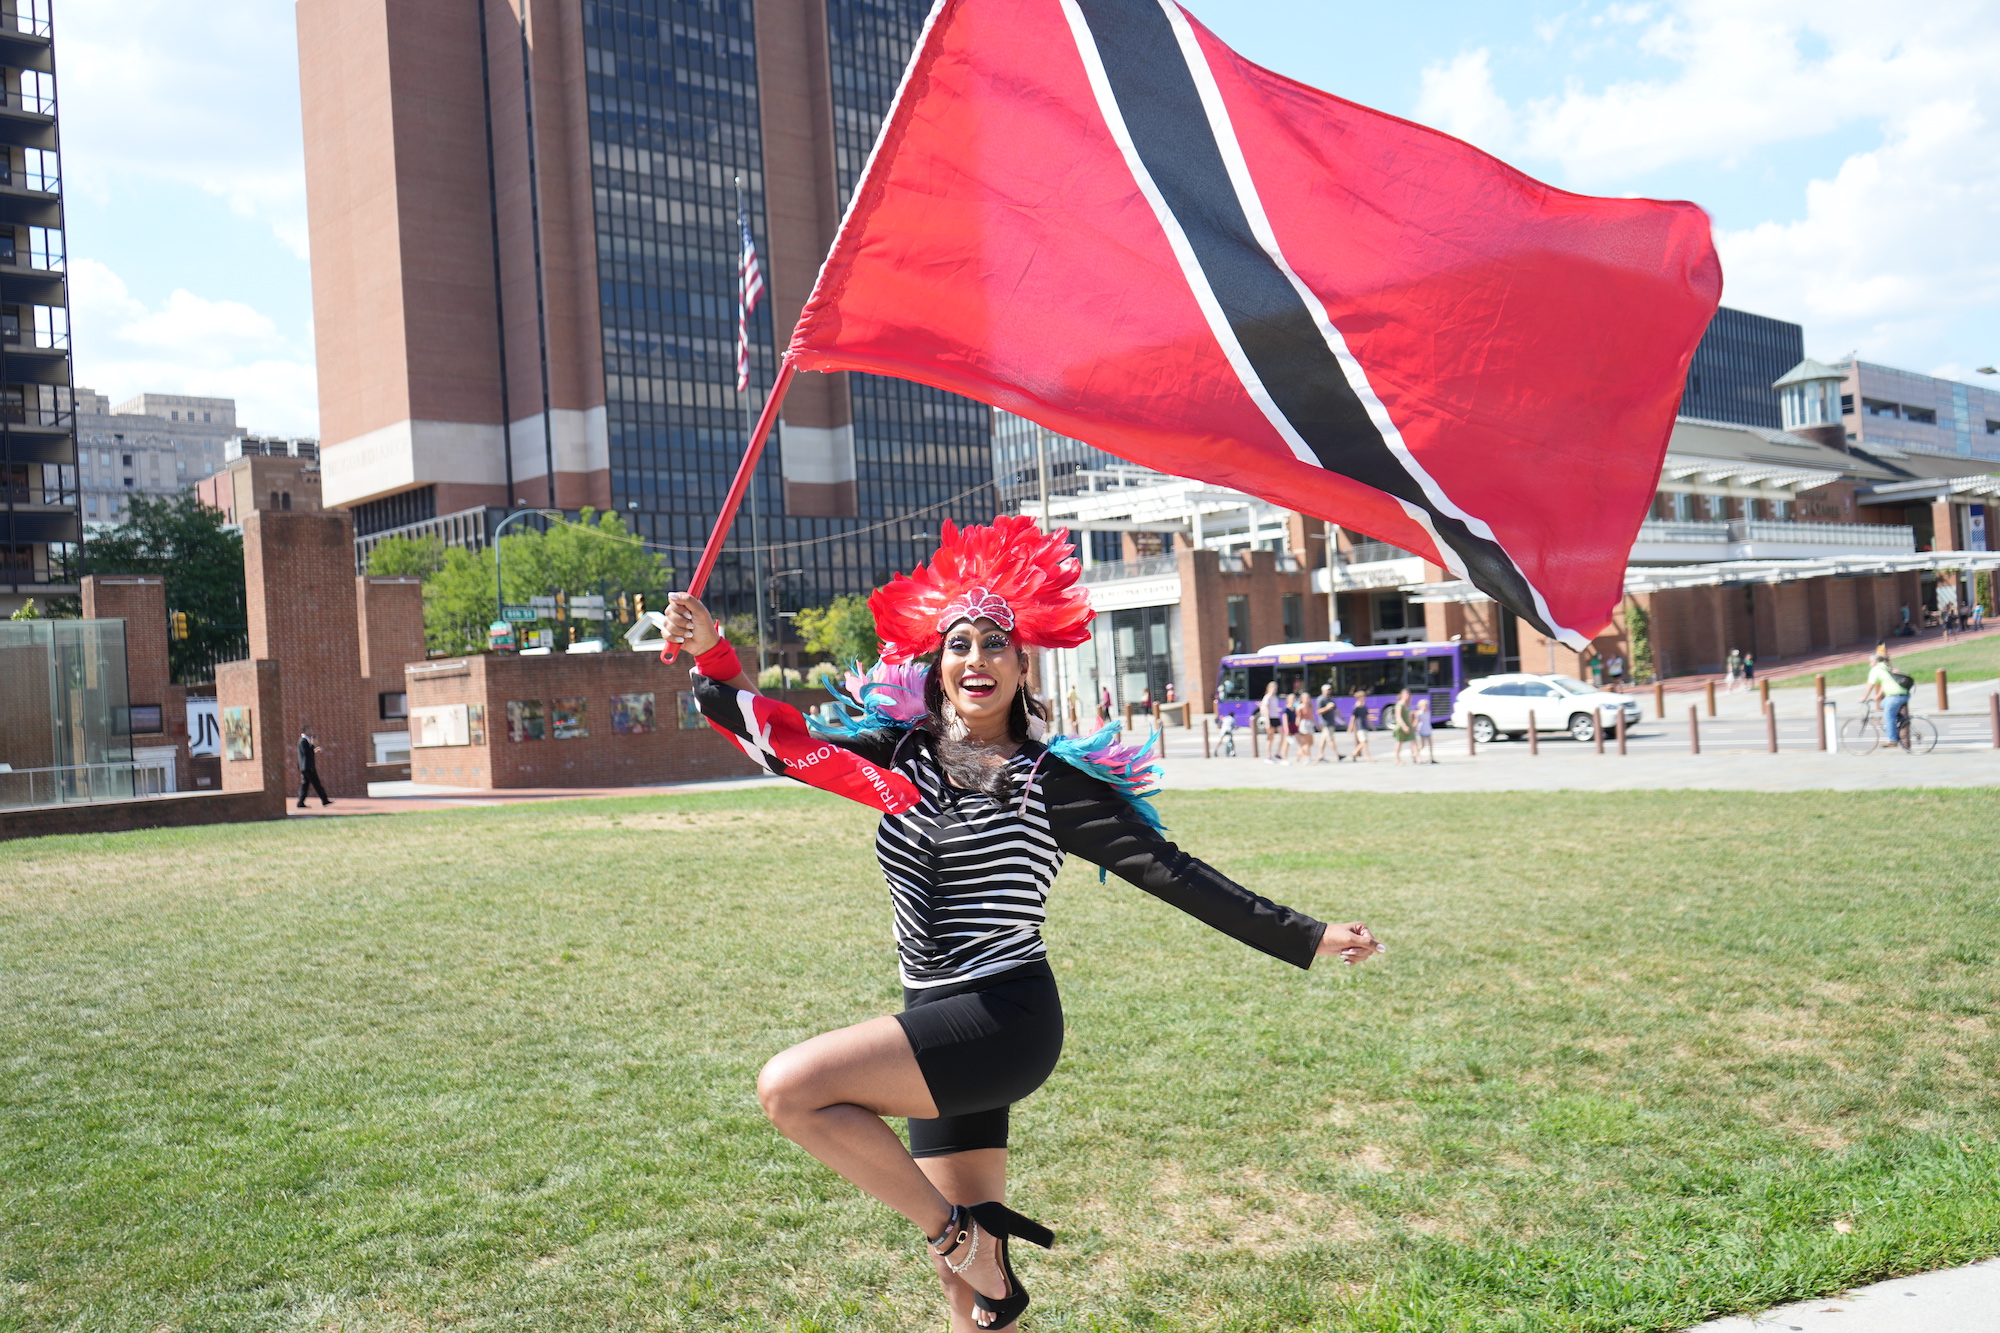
(745, 471)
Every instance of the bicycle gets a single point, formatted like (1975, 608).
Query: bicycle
(1862, 735)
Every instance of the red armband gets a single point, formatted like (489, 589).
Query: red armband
(720, 662)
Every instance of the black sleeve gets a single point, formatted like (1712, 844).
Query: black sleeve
(718, 703)
(1088, 819)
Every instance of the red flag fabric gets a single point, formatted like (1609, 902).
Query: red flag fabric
(1094, 214)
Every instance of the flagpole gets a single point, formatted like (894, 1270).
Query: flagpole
(756, 508)
(744, 472)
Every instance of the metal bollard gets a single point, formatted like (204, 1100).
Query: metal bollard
(1621, 731)
(1711, 698)
(1944, 693)
(1472, 741)
(1764, 693)
(1694, 730)
(1770, 728)
(1821, 713)
(1206, 753)
(1659, 699)
(1995, 701)
(1255, 726)
(1819, 685)
(1160, 737)
(1829, 725)
(1597, 732)
(1534, 737)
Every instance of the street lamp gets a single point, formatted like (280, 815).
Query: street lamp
(499, 593)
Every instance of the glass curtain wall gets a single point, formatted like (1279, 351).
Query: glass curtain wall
(65, 718)
(674, 119)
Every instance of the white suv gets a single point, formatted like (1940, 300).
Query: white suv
(1499, 705)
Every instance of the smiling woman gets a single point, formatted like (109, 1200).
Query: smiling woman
(969, 858)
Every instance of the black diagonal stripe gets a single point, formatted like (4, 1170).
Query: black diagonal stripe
(1162, 109)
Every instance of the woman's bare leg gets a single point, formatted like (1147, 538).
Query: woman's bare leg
(829, 1094)
(968, 1178)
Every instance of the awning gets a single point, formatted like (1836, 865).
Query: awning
(1736, 573)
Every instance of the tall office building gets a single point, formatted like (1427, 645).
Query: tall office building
(524, 240)
(151, 445)
(39, 522)
(1738, 360)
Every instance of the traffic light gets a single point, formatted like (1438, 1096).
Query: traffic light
(180, 624)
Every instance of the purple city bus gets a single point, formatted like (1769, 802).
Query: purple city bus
(1438, 669)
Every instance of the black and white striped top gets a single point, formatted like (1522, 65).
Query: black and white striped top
(969, 873)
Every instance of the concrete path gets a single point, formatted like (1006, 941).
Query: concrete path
(1733, 755)
(1957, 1300)
(401, 798)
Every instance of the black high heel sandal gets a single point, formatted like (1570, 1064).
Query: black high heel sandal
(998, 1220)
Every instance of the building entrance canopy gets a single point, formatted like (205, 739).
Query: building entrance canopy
(1735, 573)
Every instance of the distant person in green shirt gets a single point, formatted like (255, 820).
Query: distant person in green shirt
(1893, 689)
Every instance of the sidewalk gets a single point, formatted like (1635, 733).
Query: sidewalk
(1956, 1300)
(402, 798)
(1805, 664)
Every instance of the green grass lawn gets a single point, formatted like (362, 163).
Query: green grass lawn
(1966, 659)
(1635, 1059)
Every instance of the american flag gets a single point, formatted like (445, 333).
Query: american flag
(749, 286)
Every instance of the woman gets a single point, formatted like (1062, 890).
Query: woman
(1403, 725)
(1271, 716)
(1357, 726)
(1305, 720)
(1425, 749)
(969, 867)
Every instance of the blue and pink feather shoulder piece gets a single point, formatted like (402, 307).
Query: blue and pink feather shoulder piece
(890, 697)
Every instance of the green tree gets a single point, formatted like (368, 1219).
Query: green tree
(843, 629)
(27, 612)
(186, 544)
(593, 556)
(406, 558)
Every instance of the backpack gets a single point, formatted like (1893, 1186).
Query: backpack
(1903, 682)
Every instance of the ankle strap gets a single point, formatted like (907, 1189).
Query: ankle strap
(957, 1229)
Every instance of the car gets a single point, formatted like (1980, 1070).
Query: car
(1499, 705)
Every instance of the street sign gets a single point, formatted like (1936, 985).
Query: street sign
(518, 613)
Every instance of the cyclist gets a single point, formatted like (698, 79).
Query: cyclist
(1893, 689)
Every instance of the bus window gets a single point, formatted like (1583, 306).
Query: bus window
(1318, 674)
(1479, 659)
(1416, 673)
(1236, 683)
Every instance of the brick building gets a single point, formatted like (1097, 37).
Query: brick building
(563, 720)
(261, 473)
(158, 706)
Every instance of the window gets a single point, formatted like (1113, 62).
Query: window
(173, 416)
(1992, 426)
(1922, 415)
(285, 498)
(128, 481)
(204, 416)
(1875, 407)
(126, 459)
(274, 500)
(393, 704)
(1295, 616)
(146, 719)
(1239, 623)
(1105, 548)
(1847, 404)
(1684, 508)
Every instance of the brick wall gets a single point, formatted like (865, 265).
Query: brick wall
(602, 758)
(1205, 592)
(142, 604)
(257, 686)
(178, 811)
(392, 637)
(303, 615)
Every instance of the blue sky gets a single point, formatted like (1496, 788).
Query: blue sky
(1848, 152)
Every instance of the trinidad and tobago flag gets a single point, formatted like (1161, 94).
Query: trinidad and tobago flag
(1094, 214)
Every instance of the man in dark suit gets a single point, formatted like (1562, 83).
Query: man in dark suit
(309, 768)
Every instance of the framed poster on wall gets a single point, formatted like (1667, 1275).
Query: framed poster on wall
(631, 714)
(570, 721)
(524, 720)
(237, 738)
(439, 724)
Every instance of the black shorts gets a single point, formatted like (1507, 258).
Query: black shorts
(982, 1046)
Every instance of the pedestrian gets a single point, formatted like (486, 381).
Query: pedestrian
(1075, 713)
(309, 767)
(1403, 724)
(1424, 744)
(1949, 619)
(1357, 726)
(1978, 616)
(1749, 669)
(1326, 712)
(1616, 670)
(1103, 706)
(1732, 670)
(1271, 717)
(1596, 670)
(1146, 704)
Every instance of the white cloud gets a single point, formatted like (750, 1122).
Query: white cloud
(157, 91)
(1894, 252)
(190, 345)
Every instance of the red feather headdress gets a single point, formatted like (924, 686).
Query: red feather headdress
(1010, 573)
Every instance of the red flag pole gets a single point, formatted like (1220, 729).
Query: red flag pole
(745, 470)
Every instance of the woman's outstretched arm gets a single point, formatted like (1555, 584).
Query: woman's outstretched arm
(689, 624)
(1088, 819)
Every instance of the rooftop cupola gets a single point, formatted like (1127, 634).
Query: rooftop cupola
(1809, 394)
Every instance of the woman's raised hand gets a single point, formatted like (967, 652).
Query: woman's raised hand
(688, 622)
(1353, 942)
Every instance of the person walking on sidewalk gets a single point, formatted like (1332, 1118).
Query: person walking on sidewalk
(1424, 751)
(1403, 725)
(1893, 689)
(309, 768)
(1326, 711)
(1271, 717)
(1357, 726)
